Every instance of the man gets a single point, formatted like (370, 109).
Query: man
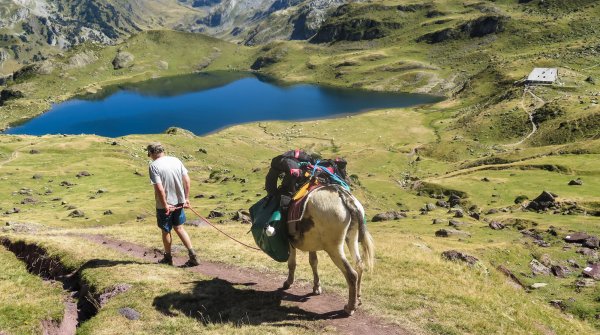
(288, 164)
(171, 192)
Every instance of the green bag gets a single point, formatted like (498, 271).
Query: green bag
(266, 213)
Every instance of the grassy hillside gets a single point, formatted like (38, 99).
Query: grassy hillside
(478, 143)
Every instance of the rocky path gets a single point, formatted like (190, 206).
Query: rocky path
(326, 307)
(540, 103)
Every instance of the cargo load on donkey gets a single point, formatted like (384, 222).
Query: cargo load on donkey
(275, 216)
(322, 216)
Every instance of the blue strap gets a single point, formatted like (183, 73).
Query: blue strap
(332, 175)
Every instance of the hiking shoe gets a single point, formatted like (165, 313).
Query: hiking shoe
(193, 261)
(166, 260)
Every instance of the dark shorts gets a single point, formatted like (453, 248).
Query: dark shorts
(167, 222)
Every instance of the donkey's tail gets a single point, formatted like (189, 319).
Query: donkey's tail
(357, 213)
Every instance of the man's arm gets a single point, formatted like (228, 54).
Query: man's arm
(159, 192)
(186, 190)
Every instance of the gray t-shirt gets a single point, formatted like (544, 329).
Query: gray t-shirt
(169, 172)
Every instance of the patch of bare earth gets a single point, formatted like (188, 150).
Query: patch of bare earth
(327, 307)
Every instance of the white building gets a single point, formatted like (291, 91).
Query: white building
(542, 75)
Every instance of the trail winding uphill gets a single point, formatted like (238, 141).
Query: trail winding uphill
(326, 307)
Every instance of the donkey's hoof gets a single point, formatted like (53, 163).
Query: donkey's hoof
(317, 290)
(349, 310)
(286, 285)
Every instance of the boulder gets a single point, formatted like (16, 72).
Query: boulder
(491, 211)
(437, 221)
(578, 237)
(495, 225)
(592, 271)
(76, 214)
(544, 201)
(592, 242)
(453, 255)
(456, 223)
(538, 268)
(130, 313)
(243, 216)
(576, 182)
(123, 59)
(536, 286)
(454, 200)
(9, 94)
(83, 174)
(475, 215)
(451, 232)
(442, 203)
(215, 214)
(391, 215)
(429, 207)
(560, 271)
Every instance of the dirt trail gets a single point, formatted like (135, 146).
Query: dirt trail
(328, 307)
(530, 114)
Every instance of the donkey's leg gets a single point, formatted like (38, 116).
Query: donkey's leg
(314, 261)
(291, 268)
(352, 242)
(339, 259)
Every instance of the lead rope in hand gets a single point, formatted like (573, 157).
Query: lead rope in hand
(222, 232)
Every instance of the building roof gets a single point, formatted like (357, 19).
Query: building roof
(543, 74)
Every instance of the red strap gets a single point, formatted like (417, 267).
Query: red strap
(297, 153)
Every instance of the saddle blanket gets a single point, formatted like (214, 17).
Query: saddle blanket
(297, 207)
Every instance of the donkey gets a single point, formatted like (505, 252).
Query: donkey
(332, 216)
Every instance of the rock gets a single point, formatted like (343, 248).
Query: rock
(100, 191)
(475, 215)
(123, 59)
(485, 179)
(458, 213)
(560, 271)
(538, 268)
(203, 151)
(34, 151)
(37, 176)
(592, 242)
(536, 286)
(442, 203)
(544, 201)
(199, 196)
(576, 182)
(590, 80)
(10, 94)
(456, 223)
(585, 282)
(520, 199)
(451, 232)
(454, 200)
(129, 313)
(71, 207)
(592, 271)
(437, 221)
(76, 214)
(66, 183)
(491, 211)
(243, 216)
(108, 212)
(429, 207)
(83, 174)
(28, 201)
(13, 211)
(495, 225)
(112, 292)
(391, 215)
(546, 260)
(215, 214)
(573, 263)
(453, 255)
(578, 237)
(163, 65)
(141, 217)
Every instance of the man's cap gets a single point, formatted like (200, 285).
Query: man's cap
(155, 148)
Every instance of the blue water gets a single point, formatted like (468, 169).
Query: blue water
(204, 103)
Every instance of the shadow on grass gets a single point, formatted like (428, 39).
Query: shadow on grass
(219, 301)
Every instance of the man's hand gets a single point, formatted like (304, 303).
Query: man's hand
(186, 204)
(169, 209)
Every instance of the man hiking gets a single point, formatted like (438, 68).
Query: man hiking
(171, 192)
